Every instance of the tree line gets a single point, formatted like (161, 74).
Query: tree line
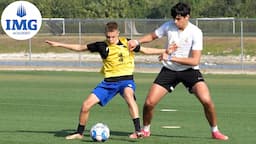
(150, 9)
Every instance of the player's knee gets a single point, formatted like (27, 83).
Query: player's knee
(84, 108)
(149, 105)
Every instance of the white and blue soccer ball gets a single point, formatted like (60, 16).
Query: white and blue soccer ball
(100, 132)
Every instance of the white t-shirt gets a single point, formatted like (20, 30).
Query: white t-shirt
(191, 38)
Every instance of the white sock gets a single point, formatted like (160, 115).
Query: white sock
(146, 128)
(215, 128)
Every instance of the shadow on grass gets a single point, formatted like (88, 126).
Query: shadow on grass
(61, 133)
(180, 136)
(115, 135)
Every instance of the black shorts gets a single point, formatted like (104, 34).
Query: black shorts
(169, 79)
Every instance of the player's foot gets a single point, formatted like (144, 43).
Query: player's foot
(74, 136)
(219, 136)
(136, 135)
(145, 133)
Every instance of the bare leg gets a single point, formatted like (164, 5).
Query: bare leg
(156, 93)
(202, 92)
(85, 109)
(134, 112)
(132, 105)
(83, 117)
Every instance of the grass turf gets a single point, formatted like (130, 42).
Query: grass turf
(43, 107)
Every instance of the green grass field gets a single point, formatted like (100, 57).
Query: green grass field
(43, 107)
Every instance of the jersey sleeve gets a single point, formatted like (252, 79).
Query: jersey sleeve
(197, 40)
(137, 49)
(162, 30)
(100, 47)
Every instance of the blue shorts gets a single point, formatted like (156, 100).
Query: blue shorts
(105, 91)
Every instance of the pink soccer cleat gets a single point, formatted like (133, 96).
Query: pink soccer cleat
(219, 136)
(146, 133)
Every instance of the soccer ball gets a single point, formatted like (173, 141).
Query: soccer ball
(100, 132)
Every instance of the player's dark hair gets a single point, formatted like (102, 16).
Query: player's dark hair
(111, 26)
(180, 9)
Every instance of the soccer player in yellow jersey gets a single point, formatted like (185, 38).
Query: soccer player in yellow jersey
(118, 68)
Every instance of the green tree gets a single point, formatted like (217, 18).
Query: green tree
(4, 4)
(105, 9)
(139, 8)
(66, 8)
(199, 7)
(161, 9)
(43, 6)
(247, 9)
(224, 8)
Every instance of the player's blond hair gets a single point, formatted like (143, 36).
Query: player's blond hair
(111, 26)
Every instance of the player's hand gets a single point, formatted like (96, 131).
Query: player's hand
(173, 47)
(52, 43)
(163, 57)
(132, 44)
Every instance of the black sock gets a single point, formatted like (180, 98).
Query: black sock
(80, 129)
(136, 123)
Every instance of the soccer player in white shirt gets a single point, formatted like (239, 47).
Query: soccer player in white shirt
(180, 65)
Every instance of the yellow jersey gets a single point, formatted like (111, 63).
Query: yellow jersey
(117, 59)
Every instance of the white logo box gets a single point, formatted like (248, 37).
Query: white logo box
(21, 20)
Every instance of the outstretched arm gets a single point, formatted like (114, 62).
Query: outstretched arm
(151, 51)
(74, 47)
(145, 39)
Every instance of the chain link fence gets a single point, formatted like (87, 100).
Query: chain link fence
(233, 41)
